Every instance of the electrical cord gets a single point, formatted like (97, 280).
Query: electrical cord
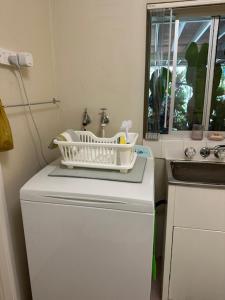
(32, 117)
(14, 61)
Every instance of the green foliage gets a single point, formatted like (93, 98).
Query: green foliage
(158, 85)
(217, 105)
(196, 78)
(180, 121)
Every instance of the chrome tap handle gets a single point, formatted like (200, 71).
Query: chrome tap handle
(86, 118)
(205, 152)
(190, 152)
(220, 147)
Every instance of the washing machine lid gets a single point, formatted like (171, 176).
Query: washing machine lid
(137, 197)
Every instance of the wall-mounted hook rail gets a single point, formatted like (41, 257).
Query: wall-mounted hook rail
(53, 101)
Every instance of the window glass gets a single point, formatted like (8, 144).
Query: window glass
(191, 71)
(185, 70)
(160, 70)
(217, 112)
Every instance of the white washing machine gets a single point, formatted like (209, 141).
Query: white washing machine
(89, 239)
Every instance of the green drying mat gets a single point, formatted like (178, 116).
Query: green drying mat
(135, 175)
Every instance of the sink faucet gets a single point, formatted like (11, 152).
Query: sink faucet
(219, 151)
(104, 120)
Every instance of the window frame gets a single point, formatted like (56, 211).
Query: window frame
(210, 70)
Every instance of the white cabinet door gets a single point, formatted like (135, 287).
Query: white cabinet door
(198, 265)
(199, 208)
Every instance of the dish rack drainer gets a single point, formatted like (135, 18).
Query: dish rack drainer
(101, 153)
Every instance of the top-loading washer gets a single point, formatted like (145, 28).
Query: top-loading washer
(89, 239)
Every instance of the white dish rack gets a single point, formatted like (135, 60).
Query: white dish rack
(103, 153)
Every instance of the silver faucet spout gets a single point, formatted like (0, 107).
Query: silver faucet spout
(219, 151)
(104, 121)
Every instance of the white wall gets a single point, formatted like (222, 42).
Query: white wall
(25, 25)
(100, 59)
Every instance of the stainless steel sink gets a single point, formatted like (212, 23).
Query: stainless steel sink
(196, 173)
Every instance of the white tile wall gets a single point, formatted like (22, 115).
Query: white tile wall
(173, 148)
(156, 147)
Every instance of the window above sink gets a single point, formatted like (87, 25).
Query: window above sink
(185, 69)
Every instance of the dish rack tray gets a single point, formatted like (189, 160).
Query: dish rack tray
(101, 153)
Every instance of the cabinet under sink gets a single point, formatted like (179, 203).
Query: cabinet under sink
(198, 265)
(194, 259)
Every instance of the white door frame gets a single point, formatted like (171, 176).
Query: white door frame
(8, 285)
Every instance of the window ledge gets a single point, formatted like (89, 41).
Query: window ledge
(186, 135)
